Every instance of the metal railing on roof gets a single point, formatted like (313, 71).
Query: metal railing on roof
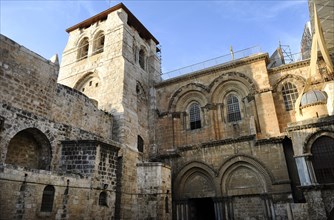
(212, 62)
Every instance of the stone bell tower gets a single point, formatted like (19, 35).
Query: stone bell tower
(113, 59)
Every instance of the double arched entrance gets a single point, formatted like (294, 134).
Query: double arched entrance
(238, 190)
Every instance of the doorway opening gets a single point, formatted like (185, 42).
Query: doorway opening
(202, 209)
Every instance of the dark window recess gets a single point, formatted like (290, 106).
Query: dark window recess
(233, 109)
(140, 144)
(195, 116)
(103, 199)
(142, 59)
(2, 122)
(322, 158)
(166, 205)
(47, 199)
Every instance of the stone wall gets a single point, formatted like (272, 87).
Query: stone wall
(209, 88)
(154, 191)
(75, 197)
(119, 85)
(27, 80)
(63, 113)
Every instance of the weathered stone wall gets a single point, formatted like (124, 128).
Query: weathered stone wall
(27, 80)
(75, 197)
(63, 114)
(297, 211)
(37, 114)
(118, 83)
(154, 191)
(247, 78)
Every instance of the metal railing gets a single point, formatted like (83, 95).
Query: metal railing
(212, 62)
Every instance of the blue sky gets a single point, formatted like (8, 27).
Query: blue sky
(188, 31)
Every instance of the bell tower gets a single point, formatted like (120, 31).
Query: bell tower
(112, 58)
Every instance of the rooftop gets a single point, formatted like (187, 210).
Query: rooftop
(132, 21)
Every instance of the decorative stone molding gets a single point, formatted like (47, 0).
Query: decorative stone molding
(287, 77)
(249, 161)
(310, 139)
(215, 69)
(290, 66)
(311, 123)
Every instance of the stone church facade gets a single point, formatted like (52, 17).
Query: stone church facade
(103, 136)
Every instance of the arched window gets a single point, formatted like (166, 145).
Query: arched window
(233, 108)
(322, 159)
(142, 58)
(140, 144)
(83, 49)
(103, 199)
(47, 199)
(99, 43)
(290, 95)
(195, 116)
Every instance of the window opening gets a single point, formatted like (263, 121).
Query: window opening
(166, 205)
(195, 116)
(47, 199)
(103, 199)
(96, 84)
(233, 109)
(322, 158)
(90, 83)
(290, 95)
(83, 49)
(140, 144)
(142, 59)
(99, 43)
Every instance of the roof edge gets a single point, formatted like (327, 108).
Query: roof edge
(132, 21)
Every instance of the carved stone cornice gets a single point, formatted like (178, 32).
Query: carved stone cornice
(264, 90)
(289, 66)
(222, 67)
(272, 140)
(311, 123)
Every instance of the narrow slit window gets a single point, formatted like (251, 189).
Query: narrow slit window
(140, 144)
(142, 59)
(103, 199)
(233, 109)
(195, 116)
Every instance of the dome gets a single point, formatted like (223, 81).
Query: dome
(313, 97)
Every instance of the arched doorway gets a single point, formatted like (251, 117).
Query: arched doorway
(195, 192)
(245, 185)
(29, 148)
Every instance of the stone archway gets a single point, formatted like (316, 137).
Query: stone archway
(245, 184)
(29, 148)
(195, 192)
